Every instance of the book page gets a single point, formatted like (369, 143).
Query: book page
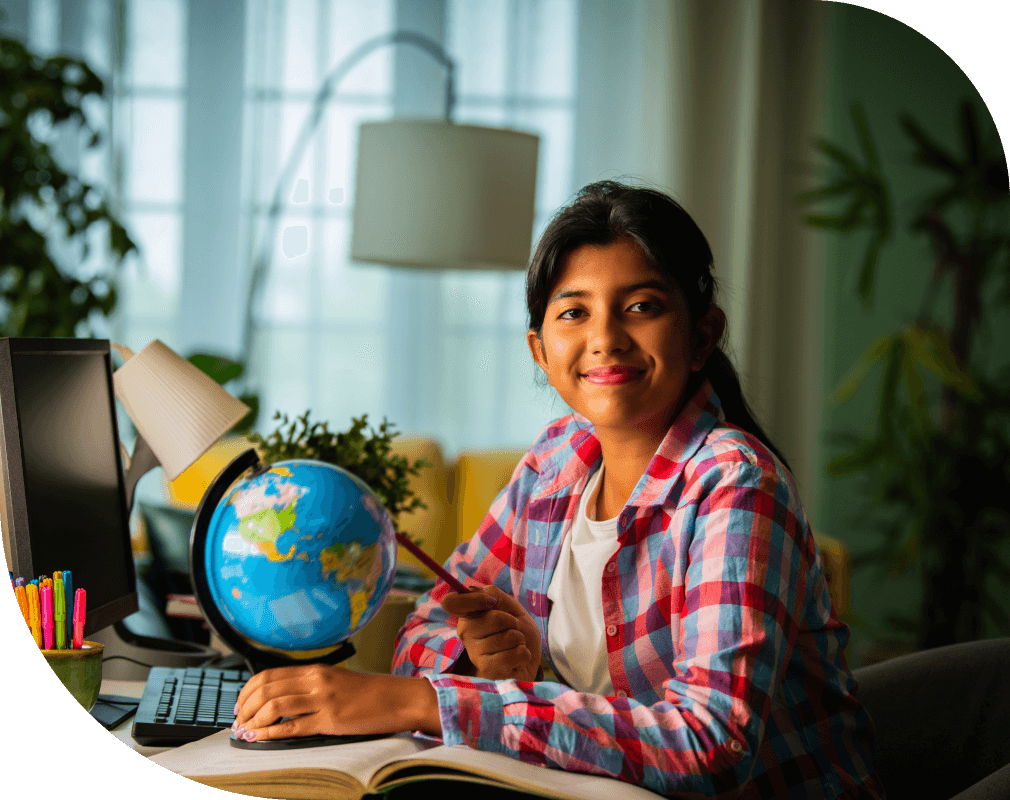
(215, 756)
(509, 771)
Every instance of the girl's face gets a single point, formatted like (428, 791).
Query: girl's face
(617, 343)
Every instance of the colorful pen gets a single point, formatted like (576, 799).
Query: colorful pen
(19, 582)
(46, 601)
(68, 586)
(19, 593)
(59, 611)
(34, 618)
(429, 562)
(80, 600)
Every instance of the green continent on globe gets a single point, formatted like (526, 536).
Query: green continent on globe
(264, 528)
(267, 509)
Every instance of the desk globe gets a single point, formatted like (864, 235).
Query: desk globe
(289, 560)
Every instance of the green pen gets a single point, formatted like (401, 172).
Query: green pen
(60, 612)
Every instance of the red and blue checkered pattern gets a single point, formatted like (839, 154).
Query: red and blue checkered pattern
(724, 652)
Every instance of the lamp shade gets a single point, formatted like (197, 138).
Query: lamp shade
(178, 410)
(437, 195)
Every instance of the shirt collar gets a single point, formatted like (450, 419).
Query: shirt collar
(564, 464)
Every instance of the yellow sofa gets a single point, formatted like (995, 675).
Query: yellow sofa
(458, 494)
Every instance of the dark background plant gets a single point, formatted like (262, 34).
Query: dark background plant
(42, 107)
(369, 455)
(938, 461)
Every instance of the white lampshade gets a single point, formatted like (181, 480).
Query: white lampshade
(437, 195)
(178, 410)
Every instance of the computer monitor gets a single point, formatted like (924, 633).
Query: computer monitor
(63, 504)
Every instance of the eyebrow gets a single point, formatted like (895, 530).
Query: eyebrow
(630, 289)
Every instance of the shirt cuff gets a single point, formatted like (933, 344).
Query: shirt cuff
(471, 711)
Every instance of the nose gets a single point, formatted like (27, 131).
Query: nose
(608, 335)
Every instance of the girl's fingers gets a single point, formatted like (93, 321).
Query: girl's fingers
(501, 642)
(299, 726)
(487, 624)
(468, 603)
(250, 705)
(506, 664)
(264, 677)
(278, 707)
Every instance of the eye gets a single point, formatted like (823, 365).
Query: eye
(571, 313)
(646, 306)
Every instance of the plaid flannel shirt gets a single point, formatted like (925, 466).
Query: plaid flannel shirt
(724, 652)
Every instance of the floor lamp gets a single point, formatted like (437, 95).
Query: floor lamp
(430, 194)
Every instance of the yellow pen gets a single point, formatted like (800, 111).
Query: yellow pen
(19, 592)
(59, 611)
(34, 613)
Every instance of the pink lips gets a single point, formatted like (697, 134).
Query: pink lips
(608, 376)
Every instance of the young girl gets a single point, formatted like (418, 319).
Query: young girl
(650, 549)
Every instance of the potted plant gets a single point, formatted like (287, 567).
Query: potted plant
(938, 460)
(42, 202)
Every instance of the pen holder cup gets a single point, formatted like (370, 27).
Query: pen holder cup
(79, 670)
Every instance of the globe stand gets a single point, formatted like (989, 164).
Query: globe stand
(256, 658)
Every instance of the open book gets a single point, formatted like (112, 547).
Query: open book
(349, 771)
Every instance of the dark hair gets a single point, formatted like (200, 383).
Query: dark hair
(673, 244)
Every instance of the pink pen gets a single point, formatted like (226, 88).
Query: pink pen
(46, 601)
(79, 602)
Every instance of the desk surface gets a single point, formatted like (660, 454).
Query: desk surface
(124, 731)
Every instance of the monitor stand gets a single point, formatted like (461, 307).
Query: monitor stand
(145, 652)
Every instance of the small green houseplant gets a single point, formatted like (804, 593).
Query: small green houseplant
(42, 202)
(367, 456)
(939, 459)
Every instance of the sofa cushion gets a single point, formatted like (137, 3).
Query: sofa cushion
(433, 525)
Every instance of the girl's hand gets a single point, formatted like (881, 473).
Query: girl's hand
(333, 700)
(500, 637)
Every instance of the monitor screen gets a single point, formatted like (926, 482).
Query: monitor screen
(64, 492)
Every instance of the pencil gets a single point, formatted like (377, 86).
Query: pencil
(430, 563)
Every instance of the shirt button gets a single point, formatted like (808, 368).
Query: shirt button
(611, 630)
(611, 566)
(735, 746)
(622, 693)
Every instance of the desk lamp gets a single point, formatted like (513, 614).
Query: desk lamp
(179, 411)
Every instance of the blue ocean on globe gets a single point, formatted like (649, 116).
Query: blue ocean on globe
(300, 557)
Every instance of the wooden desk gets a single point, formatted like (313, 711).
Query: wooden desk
(124, 731)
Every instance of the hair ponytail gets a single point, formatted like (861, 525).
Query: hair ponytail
(722, 375)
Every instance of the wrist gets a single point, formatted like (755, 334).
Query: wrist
(421, 707)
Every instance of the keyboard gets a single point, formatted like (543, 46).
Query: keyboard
(183, 705)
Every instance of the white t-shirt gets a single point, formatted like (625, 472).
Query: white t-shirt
(575, 627)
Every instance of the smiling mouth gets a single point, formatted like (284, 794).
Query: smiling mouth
(609, 376)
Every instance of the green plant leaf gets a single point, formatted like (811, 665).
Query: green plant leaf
(929, 153)
(865, 139)
(843, 159)
(220, 368)
(835, 189)
(858, 459)
(918, 404)
(877, 350)
(868, 273)
(931, 349)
